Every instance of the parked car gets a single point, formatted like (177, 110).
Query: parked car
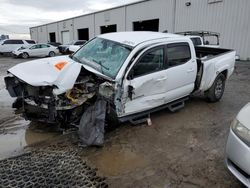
(64, 49)
(135, 72)
(203, 38)
(55, 43)
(238, 146)
(36, 50)
(74, 48)
(9, 45)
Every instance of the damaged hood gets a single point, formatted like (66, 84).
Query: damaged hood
(61, 72)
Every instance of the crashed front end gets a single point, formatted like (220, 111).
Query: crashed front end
(39, 103)
(55, 94)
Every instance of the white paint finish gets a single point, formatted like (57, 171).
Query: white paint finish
(150, 91)
(48, 73)
(215, 65)
(66, 25)
(243, 116)
(155, 9)
(110, 17)
(230, 18)
(161, 87)
(33, 52)
(156, 38)
(11, 47)
(74, 48)
(84, 22)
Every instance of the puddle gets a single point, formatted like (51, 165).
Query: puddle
(6, 101)
(115, 161)
(16, 134)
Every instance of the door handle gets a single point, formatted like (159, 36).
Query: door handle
(161, 79)
(190, 70)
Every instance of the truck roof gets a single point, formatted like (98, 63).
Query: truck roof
(136, 37)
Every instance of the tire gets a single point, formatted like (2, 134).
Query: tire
(216, 91)
(52, 54)
(25, 55)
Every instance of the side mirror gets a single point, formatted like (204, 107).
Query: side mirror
(130, 92)
(206, 42)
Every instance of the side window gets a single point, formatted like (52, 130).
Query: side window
(44, 46)
(178, 53)
(30, 41)
(16, 42)
(7, 42)
(20, 42)
(151, 61)
(196, 41)
(35, 47)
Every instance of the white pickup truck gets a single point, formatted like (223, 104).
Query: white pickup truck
(136, 73)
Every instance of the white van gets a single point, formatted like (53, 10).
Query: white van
(9, 45)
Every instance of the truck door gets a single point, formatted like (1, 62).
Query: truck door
(181, 70)
(146, 81)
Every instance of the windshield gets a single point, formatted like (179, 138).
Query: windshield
(103, 55)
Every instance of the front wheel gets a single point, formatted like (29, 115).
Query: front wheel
(25, 55)
(52, 54)
(216, 91)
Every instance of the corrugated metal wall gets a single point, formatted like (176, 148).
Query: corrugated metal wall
(155, 9)
(229, 17)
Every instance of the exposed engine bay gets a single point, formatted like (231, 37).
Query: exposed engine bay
(39, 103)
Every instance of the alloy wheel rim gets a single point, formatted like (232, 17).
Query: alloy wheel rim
(219, 88)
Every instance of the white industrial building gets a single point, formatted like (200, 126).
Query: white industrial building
(230, 18)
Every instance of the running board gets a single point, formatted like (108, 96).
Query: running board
(176, 106)
(141, 120)
(143, 116)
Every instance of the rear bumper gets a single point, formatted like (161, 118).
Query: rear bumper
(238, 158)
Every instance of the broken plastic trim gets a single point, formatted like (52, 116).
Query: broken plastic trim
(91, 127)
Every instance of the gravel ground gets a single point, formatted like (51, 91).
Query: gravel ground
(183, 149)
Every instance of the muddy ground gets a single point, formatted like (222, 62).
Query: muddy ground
(183, 149)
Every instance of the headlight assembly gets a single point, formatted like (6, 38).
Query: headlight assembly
(241, 131)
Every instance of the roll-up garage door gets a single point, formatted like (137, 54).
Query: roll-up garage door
(65, 37)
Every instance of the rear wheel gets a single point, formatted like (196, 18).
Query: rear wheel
(216, 91)
(25, 55)
(52, 54)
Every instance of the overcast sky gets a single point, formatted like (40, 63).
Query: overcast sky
(16, 16)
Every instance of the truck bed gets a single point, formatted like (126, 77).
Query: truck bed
(210, 62)
(204, 53)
